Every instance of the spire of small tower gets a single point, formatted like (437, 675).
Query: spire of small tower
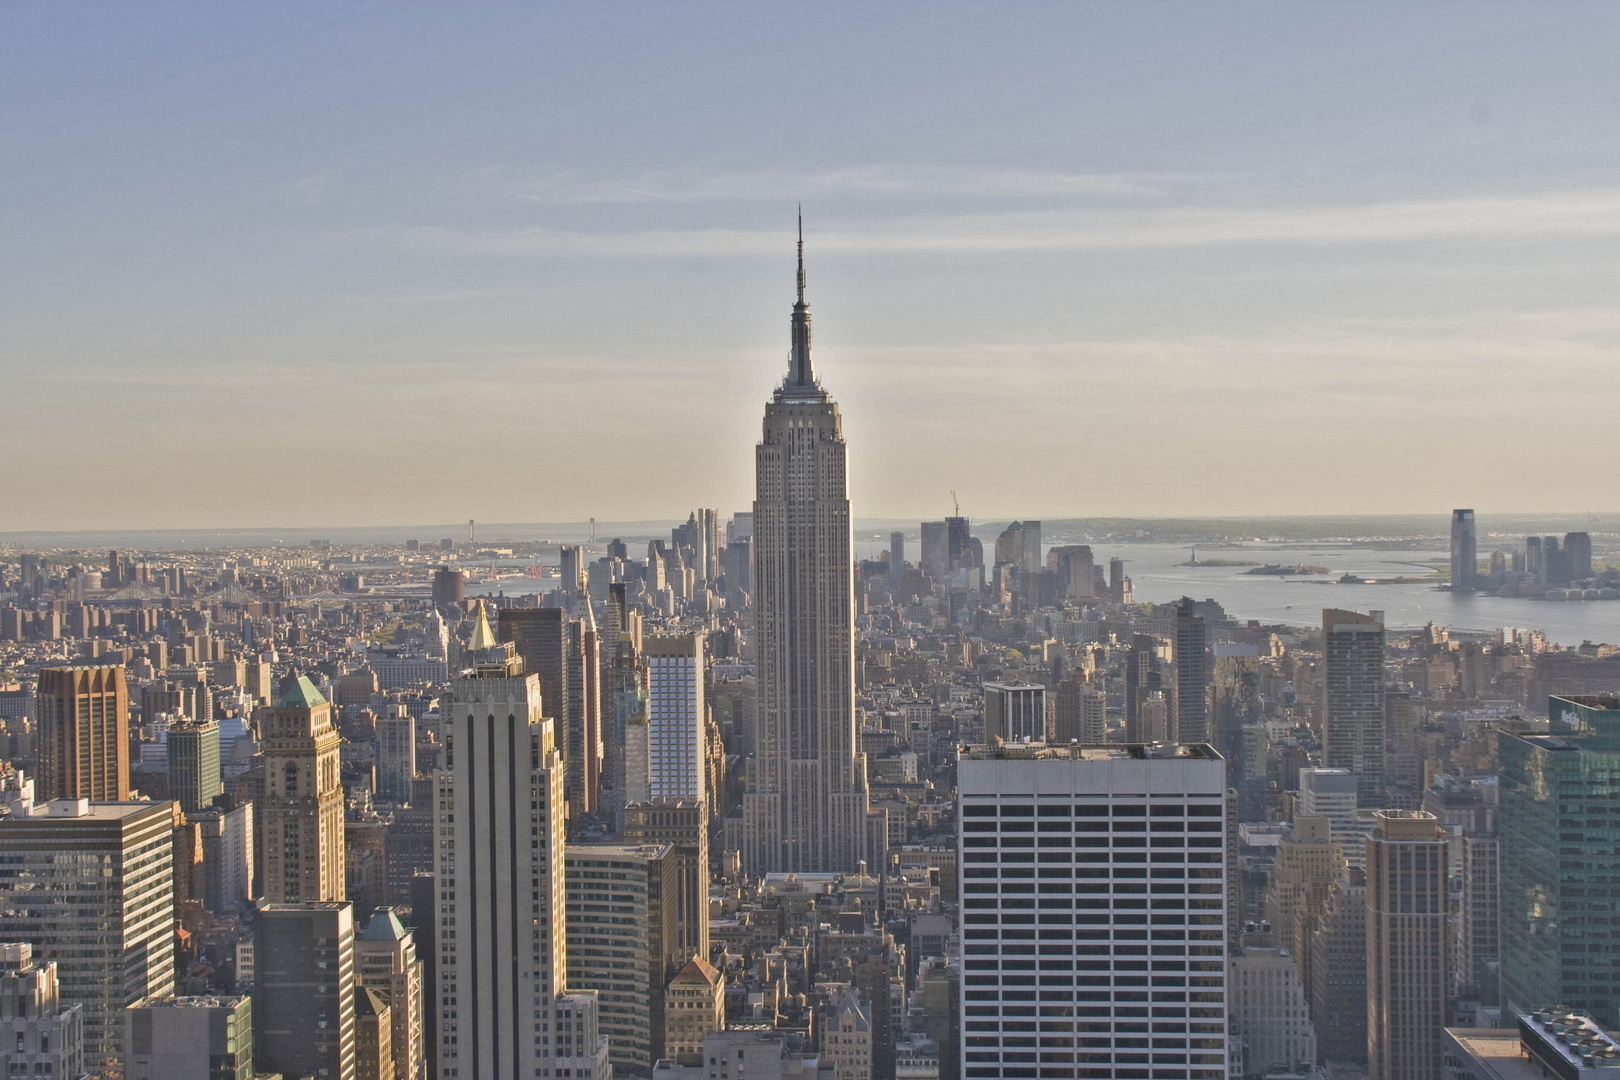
(801, 253)
(799, 374)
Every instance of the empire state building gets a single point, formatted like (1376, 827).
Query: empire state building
(805, 808)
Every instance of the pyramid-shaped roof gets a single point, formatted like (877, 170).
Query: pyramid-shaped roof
(384, 926)
(698, 970)
(482, 637)
(301, 694)
(851, 1003)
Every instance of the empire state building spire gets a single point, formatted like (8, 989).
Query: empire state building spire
(800, 377)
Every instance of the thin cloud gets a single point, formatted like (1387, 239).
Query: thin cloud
(860, 181)
(1578, 213)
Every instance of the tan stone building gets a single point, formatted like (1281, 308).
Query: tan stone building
(848, 1041)
(302, 807)
(1406, 946)
(1308, 863)
(694, 1006)
(385, 961)
(373, 1049)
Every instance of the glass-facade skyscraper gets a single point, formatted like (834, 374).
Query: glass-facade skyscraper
(1560, 861)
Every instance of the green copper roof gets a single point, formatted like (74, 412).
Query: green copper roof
(302, 695)
(384, 926)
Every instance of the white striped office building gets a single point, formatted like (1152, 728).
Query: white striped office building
(1093, 912)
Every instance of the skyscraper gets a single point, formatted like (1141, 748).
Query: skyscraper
(1142, 679)
(897, 555)
(1331, 793)
(1081, 713)
(1464, 551)
(1118, 950)
(91, 886)
(1192, 674)
(675, 715)
(302, 804)
(582, 755)
(1353, 727)
(1338, 971)
(962, 550)
(1014, 713)
(83, 733)
(396, 755)
(1578, 550)
(540, 635)
(935, 559)
(499, 869)
(684, 825)
(1406, 947)
(194, 764)
(1019, 545)
(621, 943)
(385, 961)
(1559, 848)
(806, 804)
(303, 989)
(449, 586)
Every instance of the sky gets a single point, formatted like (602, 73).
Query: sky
(305, 265)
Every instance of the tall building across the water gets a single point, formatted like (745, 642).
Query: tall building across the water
(806, 804)
(1464, 550)
(1094, 908)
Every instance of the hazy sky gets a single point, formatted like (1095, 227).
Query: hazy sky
(347, 264)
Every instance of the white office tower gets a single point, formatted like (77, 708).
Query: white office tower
(675, 716)
(502, 1007)
(1331, 793)
(806, 804)
(1093, 912)
(43, 1035)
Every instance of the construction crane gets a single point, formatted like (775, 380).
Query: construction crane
(956, 506)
